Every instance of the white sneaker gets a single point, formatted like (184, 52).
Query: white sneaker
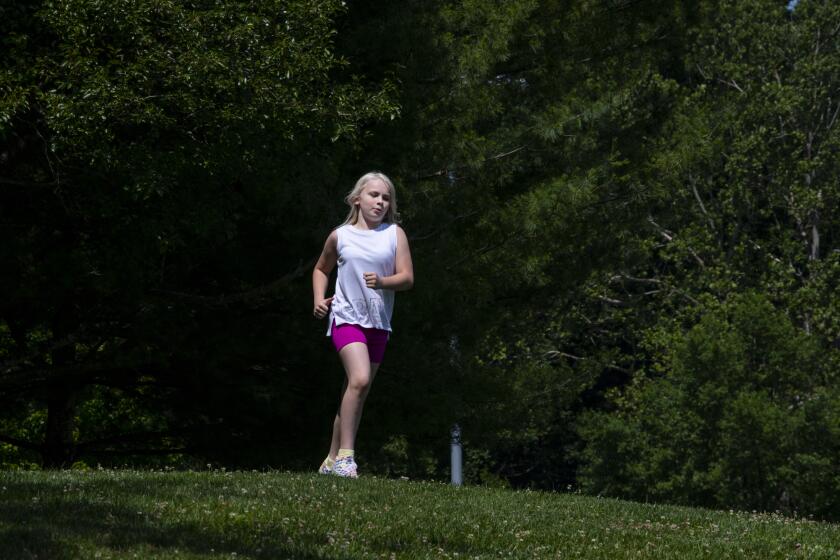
(345, 467)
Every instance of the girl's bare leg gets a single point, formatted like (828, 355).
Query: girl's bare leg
(336, 430)
(360, 373)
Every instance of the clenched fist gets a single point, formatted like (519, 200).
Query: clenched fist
(372, 280)
(322, 307)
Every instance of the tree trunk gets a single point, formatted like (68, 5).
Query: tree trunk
(59, 447)
(58, 450)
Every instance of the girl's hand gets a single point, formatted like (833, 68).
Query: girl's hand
(372, 280)
(322, 307)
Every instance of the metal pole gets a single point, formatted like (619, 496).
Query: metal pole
(457, 456)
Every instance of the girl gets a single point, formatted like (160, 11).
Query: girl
(374, 261)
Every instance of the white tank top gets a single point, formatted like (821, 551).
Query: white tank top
(360, 251)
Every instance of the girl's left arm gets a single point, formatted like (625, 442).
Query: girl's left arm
(403, 278)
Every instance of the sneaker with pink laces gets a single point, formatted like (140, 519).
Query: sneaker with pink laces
(345, 467)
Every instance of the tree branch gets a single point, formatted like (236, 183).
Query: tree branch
(173, 451)
(693, 182)
(552, 355)
(833, 117)
(447, 170)
(731, 83)
(670, 237)
(20, 443)
(634, 279)
(25, 378)
(16, 183)
(135, 437)
(253, 298)
(611, 301)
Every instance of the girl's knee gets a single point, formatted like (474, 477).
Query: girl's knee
(359, 383)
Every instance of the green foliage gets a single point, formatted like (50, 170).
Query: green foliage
(122, 82)
(746, 205)
(151, 153)
(594, 192)
(523, 149)
(24, 422)
(741, 411)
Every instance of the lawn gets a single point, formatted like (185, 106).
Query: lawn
(270, 515)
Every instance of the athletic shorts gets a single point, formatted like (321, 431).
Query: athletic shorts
(374, 339)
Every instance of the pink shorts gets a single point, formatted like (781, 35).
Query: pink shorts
(374, 339)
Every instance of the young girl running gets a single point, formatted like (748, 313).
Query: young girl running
(374, 261)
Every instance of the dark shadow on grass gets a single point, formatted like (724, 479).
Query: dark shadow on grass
(29, 543)
(56, 527)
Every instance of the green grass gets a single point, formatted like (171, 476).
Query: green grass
(131, 514)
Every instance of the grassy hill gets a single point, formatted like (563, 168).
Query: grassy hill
(189, 515)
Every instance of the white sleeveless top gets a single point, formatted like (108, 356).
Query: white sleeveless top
(360, 251)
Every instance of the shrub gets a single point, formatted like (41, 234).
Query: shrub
(745, 416)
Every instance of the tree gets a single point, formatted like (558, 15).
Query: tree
(523, 174)
(151, 153)
(749, 162)
(743, 417)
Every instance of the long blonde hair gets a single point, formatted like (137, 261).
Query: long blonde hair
(391, 216)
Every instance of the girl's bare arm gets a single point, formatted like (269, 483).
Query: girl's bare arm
(321, 276)
(403, 278)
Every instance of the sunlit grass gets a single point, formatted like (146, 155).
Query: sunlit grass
(132, 514)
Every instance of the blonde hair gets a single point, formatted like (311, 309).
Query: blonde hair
(391, 216)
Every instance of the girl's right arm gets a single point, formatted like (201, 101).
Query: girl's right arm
(321, 276)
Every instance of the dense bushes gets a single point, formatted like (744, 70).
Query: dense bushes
(746, 415)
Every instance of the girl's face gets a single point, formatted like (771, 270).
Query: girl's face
(374, 201)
